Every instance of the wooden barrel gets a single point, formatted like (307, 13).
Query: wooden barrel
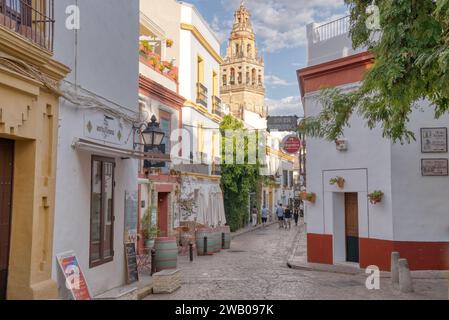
(227, 237)
(216, 236)
(166, 253)
(200, 234)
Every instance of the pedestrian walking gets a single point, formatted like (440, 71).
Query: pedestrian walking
(255, 214)
(301, 209)
(288, 218)
(280, 215)
(265, 213)
(296, 216)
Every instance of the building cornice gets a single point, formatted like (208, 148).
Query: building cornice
(201, 176)
(18, 47)
(335, 73)
(203, 111)
(201, 39)
(161, 93)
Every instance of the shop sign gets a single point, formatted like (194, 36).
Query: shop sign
(75, 280)
(291, 144)
(103, 127)
(283, 123)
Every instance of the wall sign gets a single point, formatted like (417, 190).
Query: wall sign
(75, 280)
(132, 275)
(434, 140)
(291, 144)
(434, 167)
(287, 123)
(103, 127)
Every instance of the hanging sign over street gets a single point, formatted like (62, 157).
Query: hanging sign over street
(283, 123)
(291, 144)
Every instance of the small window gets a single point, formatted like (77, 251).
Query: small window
(102, 211)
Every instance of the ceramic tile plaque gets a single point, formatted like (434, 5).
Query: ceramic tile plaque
(434, 167)
(434, 140)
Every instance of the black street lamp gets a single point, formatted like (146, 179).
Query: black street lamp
(153, 134)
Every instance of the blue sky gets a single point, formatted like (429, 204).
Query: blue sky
(281, 36)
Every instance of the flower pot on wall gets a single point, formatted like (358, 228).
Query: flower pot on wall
(339, 181)
(311, 197)
(375, 197)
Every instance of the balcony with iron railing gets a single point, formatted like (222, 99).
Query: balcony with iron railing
(201, 94)
(217, 106)
(32, 19)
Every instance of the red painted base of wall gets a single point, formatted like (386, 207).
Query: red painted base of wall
(319, 248)
(420, 255)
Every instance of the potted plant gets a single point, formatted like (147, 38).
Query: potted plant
(311, 197)
(375, 196)
(149, 231)
(339, 181)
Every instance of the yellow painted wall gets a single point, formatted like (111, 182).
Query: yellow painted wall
(29, 115)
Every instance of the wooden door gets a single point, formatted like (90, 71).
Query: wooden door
(352, 227)
(6, 185)
(162, 221)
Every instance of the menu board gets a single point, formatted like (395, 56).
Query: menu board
(75, 280)
(132, 275)
(131, 203)
(434, 140)
(434, 167)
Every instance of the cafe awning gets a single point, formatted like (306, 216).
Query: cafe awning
(108, 150)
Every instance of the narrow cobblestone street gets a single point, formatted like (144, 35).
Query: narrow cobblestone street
(255, 268)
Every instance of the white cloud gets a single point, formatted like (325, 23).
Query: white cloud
(288, 106)
(281, 24)
(275, 81)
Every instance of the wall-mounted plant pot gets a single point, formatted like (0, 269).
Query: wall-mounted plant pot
(311, 197)
(339, 181)
(375, 197)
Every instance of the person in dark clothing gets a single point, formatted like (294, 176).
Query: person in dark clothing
(296, 216)
(288, 218)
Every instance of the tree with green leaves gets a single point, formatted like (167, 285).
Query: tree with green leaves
(411, 52)
(237, 180)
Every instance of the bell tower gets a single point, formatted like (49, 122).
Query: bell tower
(242, 85)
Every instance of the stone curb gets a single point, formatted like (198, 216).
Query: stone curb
(248, 230)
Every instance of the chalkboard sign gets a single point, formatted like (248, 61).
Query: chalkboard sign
(132, 275)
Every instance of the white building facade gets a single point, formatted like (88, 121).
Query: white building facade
(199, 83)
(96, 197)
(343, 225)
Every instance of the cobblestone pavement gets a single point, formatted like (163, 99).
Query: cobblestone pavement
(255, 269)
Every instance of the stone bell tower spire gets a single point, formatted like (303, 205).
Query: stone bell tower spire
(243, 68)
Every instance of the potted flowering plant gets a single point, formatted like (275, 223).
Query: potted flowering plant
(169, 43)
(311, 197)
(375, 196)
(339, 181)
(149, 231)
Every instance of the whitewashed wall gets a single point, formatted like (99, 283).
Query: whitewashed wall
(414, 207)
(104, 61)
